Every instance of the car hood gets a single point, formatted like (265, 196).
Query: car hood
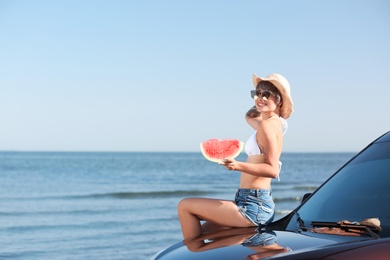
(248, 243)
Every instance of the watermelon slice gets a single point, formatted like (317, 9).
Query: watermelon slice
(216, 150)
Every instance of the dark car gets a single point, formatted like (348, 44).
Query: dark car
(347, 217)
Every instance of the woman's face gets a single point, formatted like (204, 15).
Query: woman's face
(265, 100)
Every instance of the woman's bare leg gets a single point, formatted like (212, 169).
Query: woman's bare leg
(220, 212)
(208, 226)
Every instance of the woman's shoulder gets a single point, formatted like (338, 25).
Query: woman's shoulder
(270, 125)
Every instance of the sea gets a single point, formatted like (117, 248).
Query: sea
(122, 205)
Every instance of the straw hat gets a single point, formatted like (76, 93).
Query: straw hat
(283, 86)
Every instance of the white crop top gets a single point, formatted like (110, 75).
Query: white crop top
(252, 148)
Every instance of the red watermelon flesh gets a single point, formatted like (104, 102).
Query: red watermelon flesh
(216, 150)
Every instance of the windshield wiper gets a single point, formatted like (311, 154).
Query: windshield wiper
(366, 226)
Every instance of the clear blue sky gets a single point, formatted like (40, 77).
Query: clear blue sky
(165, 75)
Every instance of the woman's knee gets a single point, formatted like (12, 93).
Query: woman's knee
(184, 205)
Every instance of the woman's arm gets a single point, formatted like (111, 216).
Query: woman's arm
(267, 138)
(258, 169)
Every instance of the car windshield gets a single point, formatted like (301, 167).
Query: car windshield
(358, 191)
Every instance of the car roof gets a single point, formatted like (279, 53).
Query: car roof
(384, 138)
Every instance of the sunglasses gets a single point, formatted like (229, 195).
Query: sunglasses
(265, 95)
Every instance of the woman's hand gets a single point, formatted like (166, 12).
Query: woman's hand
(229, 164)
(253, 117)
(252, 112)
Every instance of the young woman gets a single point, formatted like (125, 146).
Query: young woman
(253, 204)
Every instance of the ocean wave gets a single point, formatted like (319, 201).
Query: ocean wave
(304, 187)
(283, 211)
(287, 199)
(142, 194)
(279, 187)
(53, 213)
(120, 195)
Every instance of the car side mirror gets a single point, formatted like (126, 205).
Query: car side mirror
(307, 195)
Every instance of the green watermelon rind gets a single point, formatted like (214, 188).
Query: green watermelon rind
(217, 155)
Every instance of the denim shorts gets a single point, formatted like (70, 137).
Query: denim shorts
(256, 205)
(260, 239)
